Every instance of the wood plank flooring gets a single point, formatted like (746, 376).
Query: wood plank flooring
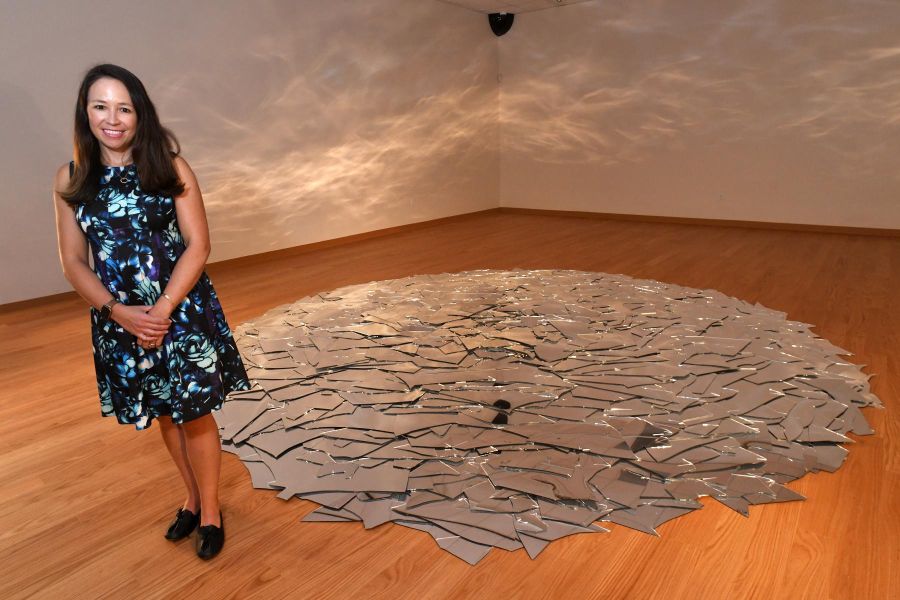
(84, 501)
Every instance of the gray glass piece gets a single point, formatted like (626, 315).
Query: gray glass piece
(260, 475)
(533, 546)
(323, 515)
(333, 500)
(464, 549)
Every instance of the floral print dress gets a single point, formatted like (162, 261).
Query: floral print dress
(135, 242)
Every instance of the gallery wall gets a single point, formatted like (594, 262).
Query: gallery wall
(760, 110)
(307, 121)
(304, 120)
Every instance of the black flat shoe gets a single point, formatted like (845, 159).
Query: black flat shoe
(210, 539)
(183, 524)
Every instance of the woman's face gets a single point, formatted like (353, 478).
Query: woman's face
(111, 115)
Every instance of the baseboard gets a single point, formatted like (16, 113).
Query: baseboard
(870, 231)
(348, 239)
(510, 210)
(33, 303)
(263, 257)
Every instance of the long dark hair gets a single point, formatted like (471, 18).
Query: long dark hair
(153, 150)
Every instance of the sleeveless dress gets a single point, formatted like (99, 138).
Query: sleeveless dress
(135, 242)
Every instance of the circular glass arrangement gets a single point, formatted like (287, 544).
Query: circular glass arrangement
(511, 408)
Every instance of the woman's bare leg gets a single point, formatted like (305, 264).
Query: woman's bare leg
(174, 439)
(204, 451)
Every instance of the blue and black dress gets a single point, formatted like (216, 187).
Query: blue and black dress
(135, 242)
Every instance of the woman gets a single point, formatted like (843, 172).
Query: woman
(162, 347)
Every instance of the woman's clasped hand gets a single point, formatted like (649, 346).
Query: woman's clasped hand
(149, 324)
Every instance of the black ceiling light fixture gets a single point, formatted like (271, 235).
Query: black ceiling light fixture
(501, 22)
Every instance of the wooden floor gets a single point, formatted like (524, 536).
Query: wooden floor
(84, 501)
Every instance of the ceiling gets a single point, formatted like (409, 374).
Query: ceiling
(510, 6)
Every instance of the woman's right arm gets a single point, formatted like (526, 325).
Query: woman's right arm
(73, 256)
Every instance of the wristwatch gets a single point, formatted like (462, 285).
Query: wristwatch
(106, 311)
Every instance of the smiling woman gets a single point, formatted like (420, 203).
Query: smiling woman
(162, 347)
(115, 125)
(111, 117)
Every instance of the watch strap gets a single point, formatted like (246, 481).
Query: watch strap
(106, 311)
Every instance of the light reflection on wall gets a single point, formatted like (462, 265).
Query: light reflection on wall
(304, 120)
(617, 86)
(365, 118)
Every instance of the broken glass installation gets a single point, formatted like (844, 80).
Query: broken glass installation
(509, 409)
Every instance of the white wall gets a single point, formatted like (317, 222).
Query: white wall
(304, 120)
(308, 120)
(762, 110)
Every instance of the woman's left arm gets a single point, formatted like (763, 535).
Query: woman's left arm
(195, 232)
